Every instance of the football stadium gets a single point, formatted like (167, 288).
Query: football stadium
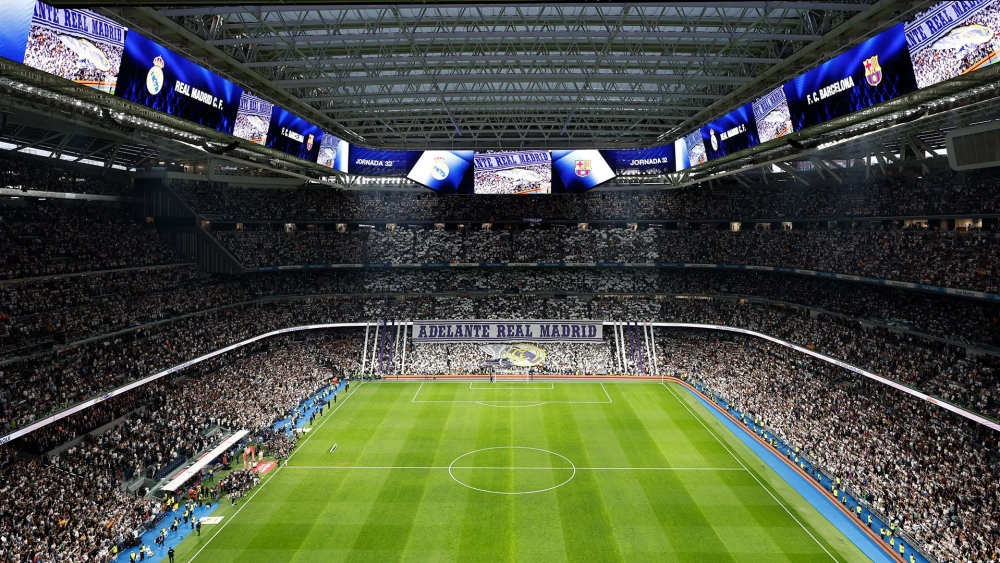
(445, 281)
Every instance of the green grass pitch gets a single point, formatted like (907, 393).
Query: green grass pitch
(520, 471)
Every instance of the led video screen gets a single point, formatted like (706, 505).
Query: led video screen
(253, 120)
(446, 172)
(771, 115)
(579, 170)
(735, 131)
(380, 162)
(690, 150)
(158, 78)
(953, 38)
(77, 45)
(16, 16)
(649, 160)
(875, 71)
(333, 152)
(521, 172)
(293, 135)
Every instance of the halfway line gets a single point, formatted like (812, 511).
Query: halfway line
(518, 468)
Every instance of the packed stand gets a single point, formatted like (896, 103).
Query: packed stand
(51, 237)
(940, 193)
(40, 522)
(44, 175)
(959, 259)
(910, 459)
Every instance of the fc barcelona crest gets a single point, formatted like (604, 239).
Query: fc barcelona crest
(582, 168)
(873, 72)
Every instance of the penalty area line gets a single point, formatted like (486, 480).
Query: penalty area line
(781, 504)
(271, 478)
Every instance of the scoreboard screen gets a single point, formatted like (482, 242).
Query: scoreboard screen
(253, 120)
(953, 38)
(520, 172)
(446, 172)
(690, 150)
(579, 170)
(333, 152)
(771, 114)
(875, 71)
(649, 160)
(380, 162)
(293, 135)
(77, 45)
(159, 78)
(735, 131)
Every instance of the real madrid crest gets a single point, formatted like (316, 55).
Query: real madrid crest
(713, 140)
(154, 78)
(439, 169)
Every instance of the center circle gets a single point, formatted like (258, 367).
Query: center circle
(512, 470)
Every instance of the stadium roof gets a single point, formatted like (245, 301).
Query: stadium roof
(513, 74)
(503, 76)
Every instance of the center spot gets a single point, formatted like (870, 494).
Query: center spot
(512, 470)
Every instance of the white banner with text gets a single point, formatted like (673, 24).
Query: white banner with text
(484, 332)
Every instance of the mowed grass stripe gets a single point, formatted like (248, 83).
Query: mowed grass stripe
(386, 532)
(585, 522)
(331, 503)
(783, 525)
(539, 530)
(487, 526)
(271, 528)
(678, 512)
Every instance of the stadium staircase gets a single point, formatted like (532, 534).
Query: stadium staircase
(186, 231)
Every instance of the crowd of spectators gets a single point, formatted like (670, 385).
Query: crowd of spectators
(856, 429)
(74, 506)
(934, 474)
(44, 383)
(54, 237)
(940, 193)
(44, 175)
(960, 259)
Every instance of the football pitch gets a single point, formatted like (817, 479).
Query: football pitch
(520, 471)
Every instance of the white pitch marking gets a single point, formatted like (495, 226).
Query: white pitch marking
(414, 400)
(271, 478)
(518, 468)
(511, 406)
(781, 504)
(568, 479)
(606, 392)
(506, 386)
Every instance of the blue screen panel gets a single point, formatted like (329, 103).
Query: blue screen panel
(446, 172)
(953, 38)
(649, 160)
(293, 135)
(579, 170)
(380, 162)
(16, 17)
(735, 131)
(875, 71)
(158, 78)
